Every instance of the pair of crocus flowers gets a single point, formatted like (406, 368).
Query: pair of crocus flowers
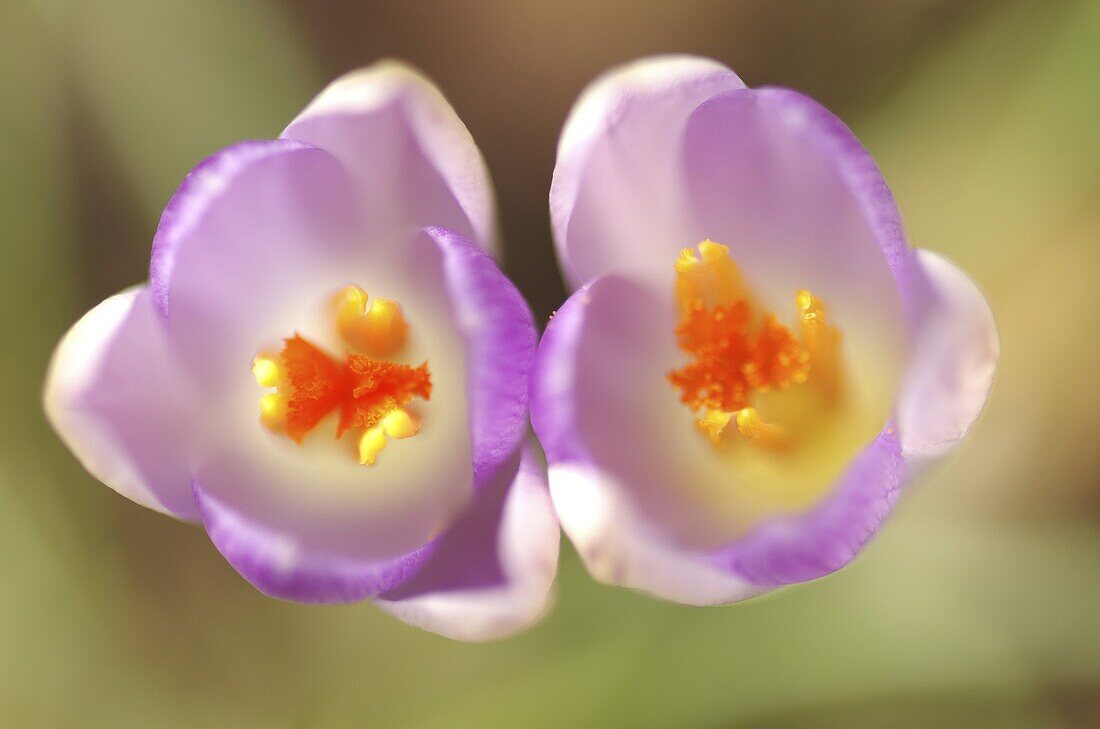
(329, 372)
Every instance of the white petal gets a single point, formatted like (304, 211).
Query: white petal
(527, 543)
(954, 357)
(617, 182)
(414, 161)
(619, 549)
(115, 397)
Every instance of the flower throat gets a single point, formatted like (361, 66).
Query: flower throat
(740, 355)
(368, 391)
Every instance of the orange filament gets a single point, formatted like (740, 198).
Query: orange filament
(365, 390)
(317, 385)
(737, 354)
(380, 388)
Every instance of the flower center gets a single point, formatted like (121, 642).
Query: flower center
(369, 392)
(739, 354)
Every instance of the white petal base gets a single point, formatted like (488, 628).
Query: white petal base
(617, 551)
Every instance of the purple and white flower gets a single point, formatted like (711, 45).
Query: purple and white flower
(328, 371)
(753, 363)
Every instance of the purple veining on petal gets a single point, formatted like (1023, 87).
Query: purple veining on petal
(805, 546)
(500, 335)
(191, 200)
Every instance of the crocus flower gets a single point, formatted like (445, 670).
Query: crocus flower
(328, 371)
(753, 363)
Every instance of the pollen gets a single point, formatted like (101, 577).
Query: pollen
(364, 390)
(738, 353)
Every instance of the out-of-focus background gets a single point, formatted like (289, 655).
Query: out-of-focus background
(977, 606)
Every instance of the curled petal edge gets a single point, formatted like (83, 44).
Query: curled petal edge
(953, 360)
(526, 542)
(112, 397)
(445, 141)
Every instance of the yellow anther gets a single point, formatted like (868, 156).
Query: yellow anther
(273, 410)
(750, 425)
(713, 423)
(376, 327)
(399, 424)
(266, 371)
(710, 278)
(822, 342)
(740, 353)
(371, 444)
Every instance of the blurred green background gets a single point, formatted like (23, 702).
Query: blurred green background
(978, 606)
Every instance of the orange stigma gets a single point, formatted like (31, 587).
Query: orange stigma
(369, 394)
(737, 353)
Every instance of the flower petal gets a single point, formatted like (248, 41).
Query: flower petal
(491, 575)
(642, 496)
(800, 203)
(953, 360)
(617, 192)
(352, 532)
(806, 546)
(414, 162)
(316, 494)
(116, 397)
(279, 566)
(500, 336)
(598, 509)
(240, 242)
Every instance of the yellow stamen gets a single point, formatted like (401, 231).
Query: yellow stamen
(750, 425)
(739, 353)
(365, 389)
(710, 278)
(266, 371)
(273, 411)
(822, 341)
(377, 327)
(371, 444)
(713, 423)
(398, 424)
